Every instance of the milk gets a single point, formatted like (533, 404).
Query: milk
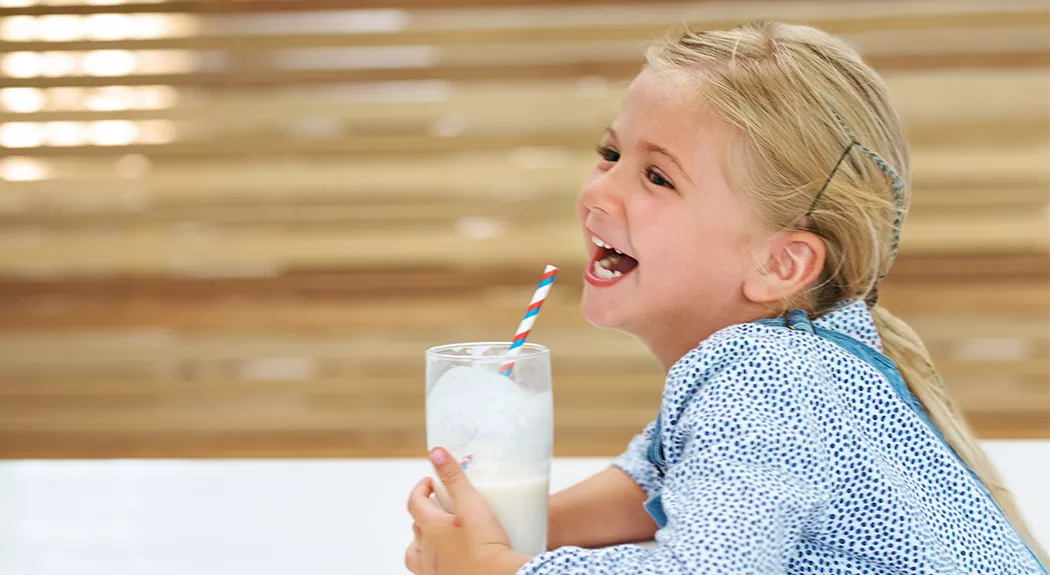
(502, 431)
(506, 430)
(520, 507)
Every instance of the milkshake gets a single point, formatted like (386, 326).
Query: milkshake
(520, 507)
(500, 428)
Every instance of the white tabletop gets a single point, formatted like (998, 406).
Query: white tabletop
(270, 517)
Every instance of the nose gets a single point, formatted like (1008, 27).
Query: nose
(601, 194)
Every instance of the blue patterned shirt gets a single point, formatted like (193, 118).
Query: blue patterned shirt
(786, 453)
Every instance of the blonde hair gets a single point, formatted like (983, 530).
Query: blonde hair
(799, 100)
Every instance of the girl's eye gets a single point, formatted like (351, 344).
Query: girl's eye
(608, 154)
(655, 177)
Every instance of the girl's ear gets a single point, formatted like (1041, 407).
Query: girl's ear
(789, 263)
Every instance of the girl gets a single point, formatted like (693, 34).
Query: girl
(748, 198)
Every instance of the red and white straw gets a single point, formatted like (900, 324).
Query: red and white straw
(538, 297)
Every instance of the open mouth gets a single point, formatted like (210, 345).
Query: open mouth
(609, 264)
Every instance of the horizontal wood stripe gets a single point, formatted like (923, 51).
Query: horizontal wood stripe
(302, 198)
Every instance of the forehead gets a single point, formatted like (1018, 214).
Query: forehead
(657, 90)
(665, 110)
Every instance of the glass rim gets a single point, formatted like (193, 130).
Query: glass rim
(526, 350)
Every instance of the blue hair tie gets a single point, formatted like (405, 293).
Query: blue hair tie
(896, 182)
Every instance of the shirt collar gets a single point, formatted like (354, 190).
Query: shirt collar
(852, 318)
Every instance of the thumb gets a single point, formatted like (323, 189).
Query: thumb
(452, 477)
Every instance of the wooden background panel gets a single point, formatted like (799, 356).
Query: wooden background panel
(232, 228)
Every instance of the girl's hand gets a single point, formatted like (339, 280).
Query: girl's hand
(469, 542)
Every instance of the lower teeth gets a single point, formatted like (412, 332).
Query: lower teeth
(604, 273)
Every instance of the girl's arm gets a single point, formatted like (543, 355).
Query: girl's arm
(604, 509)
(745, 476)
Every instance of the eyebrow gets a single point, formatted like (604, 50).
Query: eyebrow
(651, 147)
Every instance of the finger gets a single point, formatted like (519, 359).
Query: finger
(417, 531)
(452, 477)
(411, 494)
(412, 558)
(421, 491)
(423, 509)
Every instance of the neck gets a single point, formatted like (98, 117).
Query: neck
(667, 353)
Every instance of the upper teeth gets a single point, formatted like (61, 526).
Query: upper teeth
(598, 242)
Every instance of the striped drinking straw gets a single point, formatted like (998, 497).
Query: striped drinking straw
(530, 318)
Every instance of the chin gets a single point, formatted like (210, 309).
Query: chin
(603, 316)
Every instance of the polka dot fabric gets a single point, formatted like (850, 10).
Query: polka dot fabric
(853, 320)
(787, 454)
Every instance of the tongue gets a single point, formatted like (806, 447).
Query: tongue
(618, 262)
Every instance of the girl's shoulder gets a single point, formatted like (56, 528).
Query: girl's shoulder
(744, 345)
(759, 366)
(746, 361)
(741, 387)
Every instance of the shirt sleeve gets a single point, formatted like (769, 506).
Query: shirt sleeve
(635, 461)
(743, 478)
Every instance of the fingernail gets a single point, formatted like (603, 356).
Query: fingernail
(438, 456)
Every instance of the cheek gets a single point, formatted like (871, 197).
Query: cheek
(692, 257)
(664, 237)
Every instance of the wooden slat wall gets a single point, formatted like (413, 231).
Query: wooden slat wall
(232, 228)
